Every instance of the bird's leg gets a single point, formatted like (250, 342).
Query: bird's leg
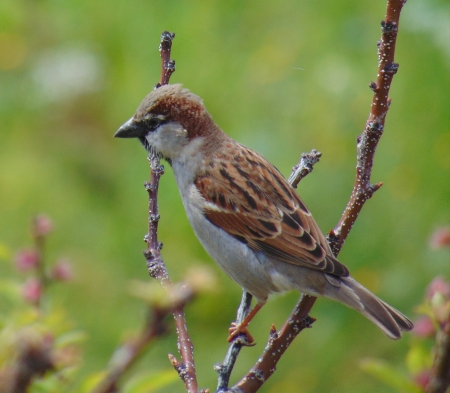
(236, 329)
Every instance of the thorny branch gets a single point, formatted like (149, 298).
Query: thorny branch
(156, 267)
(367, 142)
(362, 191)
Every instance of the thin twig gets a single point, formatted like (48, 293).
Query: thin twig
(167, 65)
(368, 140)
(225, 368)
(304, 166)
(155, 264)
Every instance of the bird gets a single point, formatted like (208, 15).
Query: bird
(247, 216)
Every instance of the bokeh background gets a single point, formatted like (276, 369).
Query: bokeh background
(280, 76)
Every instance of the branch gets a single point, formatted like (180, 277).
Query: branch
(265, 366)
(155, 264)
(304, 167)
(167, 65)
(362, 190)
(225, 368)
(367, 142)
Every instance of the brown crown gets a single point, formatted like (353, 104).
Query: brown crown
(179, 105)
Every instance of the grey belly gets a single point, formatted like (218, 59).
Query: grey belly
(234, 257)
(253, 271)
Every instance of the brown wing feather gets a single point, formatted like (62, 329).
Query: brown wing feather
(251, 200)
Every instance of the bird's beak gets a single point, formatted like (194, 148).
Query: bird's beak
(130, 129)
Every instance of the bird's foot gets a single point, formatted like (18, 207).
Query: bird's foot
(236, 329)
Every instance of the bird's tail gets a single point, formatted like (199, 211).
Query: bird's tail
(389, 320)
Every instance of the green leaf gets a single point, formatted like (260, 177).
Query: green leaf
(385, 373)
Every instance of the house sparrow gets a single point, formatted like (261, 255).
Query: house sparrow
(246, 215)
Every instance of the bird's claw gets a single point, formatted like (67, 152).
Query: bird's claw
(236, 329)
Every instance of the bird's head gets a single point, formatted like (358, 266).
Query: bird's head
(167, 120)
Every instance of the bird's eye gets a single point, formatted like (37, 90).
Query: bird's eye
(153, 123)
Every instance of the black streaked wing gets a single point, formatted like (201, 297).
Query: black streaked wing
(249, 198)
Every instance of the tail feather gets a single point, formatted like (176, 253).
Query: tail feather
(403, 322)
(389, 320)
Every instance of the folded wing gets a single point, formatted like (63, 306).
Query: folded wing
(249, 198)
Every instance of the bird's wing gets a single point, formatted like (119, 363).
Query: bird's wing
(248, 198)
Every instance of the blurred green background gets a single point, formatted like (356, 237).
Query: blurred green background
(280, 76)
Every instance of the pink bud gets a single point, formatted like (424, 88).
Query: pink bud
(32, 290)
(43, 225)
(440, 238)
(424, 327)
(62, 271)
(27, 260)
(438, 285)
